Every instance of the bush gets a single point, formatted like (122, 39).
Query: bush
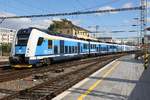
(5, 49)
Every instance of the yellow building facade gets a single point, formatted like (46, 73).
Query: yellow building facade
(66, 27)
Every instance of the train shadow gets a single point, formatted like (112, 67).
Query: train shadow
(142, 88)
(132, 60)
(6, 67)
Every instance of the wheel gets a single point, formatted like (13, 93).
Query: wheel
(47, 61)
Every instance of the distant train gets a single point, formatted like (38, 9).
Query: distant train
(33, 46)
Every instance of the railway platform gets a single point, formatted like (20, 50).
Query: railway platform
(122, 79)
(3, 58)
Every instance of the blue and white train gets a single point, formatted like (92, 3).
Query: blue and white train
(34, 46)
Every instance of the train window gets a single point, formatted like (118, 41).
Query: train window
(97, 49)
(66, 49)
(111, 47)
(91, 46)
(69, 49)
(22, 42)
(94, 46)
(103, 48)
(72, 49)
(40, 41)
(81, 48)
(23, 36)
(76, 49)
(49, 44)
(85, 46)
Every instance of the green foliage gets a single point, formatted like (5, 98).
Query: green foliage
(64, 23)
(5, 49)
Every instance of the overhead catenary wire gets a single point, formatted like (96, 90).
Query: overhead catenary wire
(74, 13)
(116, 31)
(2, 21)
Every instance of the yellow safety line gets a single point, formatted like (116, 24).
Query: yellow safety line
(97, 82)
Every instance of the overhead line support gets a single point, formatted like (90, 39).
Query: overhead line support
(74, 13)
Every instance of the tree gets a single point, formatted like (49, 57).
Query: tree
(64, 23)
(6, 48)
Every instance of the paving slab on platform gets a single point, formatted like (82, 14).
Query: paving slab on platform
(123, 79)
(4, 58)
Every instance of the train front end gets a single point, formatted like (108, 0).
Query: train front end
(18, 57)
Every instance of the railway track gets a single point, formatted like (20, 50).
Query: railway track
(7, 74)
(53, 86)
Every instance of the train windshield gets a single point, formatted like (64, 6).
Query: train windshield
(22, 37)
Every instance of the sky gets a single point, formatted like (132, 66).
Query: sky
(116, 21)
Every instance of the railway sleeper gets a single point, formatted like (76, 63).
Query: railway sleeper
(59, 70)
(39, 90)
(48, 97)
(42, 88)
(30, 95)
(23, 98)
(47, 87)
(40, 93)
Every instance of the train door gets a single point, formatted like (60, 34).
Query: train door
(107, 48)
(99, 48)
(61, 46)
(89, 47)
(78, 47)
(55, 49)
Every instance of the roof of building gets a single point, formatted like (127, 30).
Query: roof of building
(105, 38)
(80, 28)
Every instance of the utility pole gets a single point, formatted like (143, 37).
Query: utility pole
(143, 31)
(143, 19)
(96, 27)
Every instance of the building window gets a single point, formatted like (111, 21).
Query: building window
(68, 31)
(75, 33)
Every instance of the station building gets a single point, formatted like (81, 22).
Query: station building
(67, 27)
(128, 41)
(105, 39)
(6, 35)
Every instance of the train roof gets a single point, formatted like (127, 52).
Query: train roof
(68, 36)
(62, 35)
